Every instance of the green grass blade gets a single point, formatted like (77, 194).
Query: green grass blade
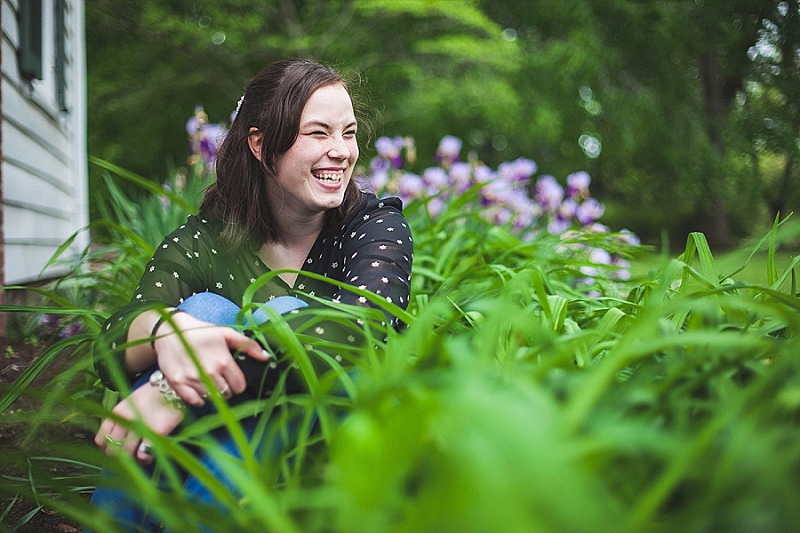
(143, 182)
(772, 269)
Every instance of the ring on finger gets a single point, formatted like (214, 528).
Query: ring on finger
(225, 390)
(145, 448)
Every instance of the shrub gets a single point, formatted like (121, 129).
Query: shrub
(521, 397)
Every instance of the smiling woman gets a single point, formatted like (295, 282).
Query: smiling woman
(312, 176)
(284, 198)
(264, 133)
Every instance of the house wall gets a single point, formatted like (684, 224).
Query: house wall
(44, 166)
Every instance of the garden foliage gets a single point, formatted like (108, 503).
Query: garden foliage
(535, 388)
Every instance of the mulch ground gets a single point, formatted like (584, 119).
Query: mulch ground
(18, 441)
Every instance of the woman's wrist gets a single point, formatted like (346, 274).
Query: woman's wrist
(164, 317)
(158, 380)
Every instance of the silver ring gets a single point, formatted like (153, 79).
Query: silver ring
(226, 389)
(205, 395)
(145, 448)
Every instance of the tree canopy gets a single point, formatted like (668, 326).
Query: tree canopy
(685, 112)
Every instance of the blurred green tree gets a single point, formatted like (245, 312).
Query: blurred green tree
(648, 91)
(685, 112)
(769, 109)
(428, 64)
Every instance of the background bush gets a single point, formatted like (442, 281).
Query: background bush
(685, 113)
(520, 398)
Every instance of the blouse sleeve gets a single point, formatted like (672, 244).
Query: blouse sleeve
(172, 274)
(377, 253)
(375, 250)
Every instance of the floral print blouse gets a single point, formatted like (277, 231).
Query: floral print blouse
(372, 250)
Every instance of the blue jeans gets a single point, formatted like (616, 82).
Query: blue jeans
(122, 505)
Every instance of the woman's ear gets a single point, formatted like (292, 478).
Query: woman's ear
(254, 142)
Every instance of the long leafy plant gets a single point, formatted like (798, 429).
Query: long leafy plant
(521, 397)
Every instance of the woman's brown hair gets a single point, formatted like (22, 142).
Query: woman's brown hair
(273, 102)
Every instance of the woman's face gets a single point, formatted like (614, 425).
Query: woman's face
(311, 177)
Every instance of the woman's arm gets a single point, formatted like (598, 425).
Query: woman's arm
(180, 268)
(210, 344)
(141, 356)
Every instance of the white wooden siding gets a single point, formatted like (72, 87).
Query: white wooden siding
(44, 149)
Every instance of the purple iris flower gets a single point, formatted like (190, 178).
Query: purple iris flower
(51, 323)
(435, 206)
(518, 170)
(589, 211)
(386, 147)
(527, 212)
(578, 185)
(435, 179)
(557, 227)
(494, 190)
(568, 209)
(192, 125)
(391, 149)
(483, 174)
(71, 329)
(597, 228)
(628, 237)
(461, 175)
(379, 179)
(503, 215)
(212, 137)
(598, 256)
(549, 193)
(379, 164)
(410, 187)
(622, 273)
(449, 147)
(163, 198)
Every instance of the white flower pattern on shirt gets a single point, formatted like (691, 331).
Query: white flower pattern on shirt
(373, 247)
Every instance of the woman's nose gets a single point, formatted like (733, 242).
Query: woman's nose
(339, 148)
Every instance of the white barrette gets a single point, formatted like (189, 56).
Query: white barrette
(239, 105)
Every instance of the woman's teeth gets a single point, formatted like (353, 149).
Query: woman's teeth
(328, 177)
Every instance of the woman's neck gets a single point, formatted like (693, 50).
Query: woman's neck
(290, 252)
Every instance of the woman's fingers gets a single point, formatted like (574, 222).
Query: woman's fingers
(244, 345)
(105, 429)
(118, 438)
(191, 394)
(144, 452)
(112, 438)
(148, 405)
(222, 369)
(141, 449)
(212, 348)
(233, 380)
(130, 444)
(228, 379)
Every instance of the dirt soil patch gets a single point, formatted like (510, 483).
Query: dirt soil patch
(19, 440)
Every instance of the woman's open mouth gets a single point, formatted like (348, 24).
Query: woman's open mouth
(328, 177)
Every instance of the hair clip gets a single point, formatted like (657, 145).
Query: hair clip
(239, 105)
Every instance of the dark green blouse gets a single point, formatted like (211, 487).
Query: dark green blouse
(372, 250)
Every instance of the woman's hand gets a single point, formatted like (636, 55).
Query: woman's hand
(212, 345)
(147, 404)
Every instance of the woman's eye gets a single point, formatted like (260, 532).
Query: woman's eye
(350, 133)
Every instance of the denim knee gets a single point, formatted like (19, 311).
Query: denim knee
(219, 310)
